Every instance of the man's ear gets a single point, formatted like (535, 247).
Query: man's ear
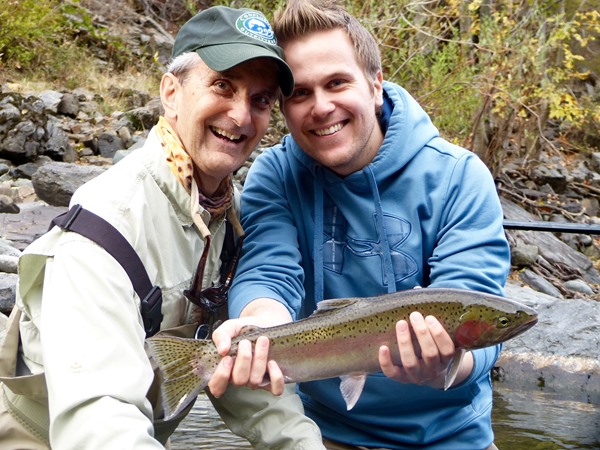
(169, 90)
(378, 88)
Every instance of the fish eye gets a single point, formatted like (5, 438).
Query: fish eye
(503, 321)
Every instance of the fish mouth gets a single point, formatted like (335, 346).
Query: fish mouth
(521, 328)
(226, 135)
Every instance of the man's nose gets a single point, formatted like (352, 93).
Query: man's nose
(239, 111)
(322, 104)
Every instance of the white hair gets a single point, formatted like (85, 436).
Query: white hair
(182, 64)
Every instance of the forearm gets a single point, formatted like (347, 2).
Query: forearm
(267, 421)
(267, 310)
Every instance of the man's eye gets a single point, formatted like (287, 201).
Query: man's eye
(263, 101)
(300, 93)
(222, 85)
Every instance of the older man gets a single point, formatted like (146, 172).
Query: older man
(75, 370)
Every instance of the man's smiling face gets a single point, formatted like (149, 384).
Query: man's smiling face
(331, 113)
(221, 117)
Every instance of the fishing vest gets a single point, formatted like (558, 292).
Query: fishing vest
(26, 396)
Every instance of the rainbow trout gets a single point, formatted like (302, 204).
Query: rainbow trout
(342, 339)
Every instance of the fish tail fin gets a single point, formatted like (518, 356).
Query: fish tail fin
(181, 379)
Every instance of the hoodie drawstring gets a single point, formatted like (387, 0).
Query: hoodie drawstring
(389, 278)
(318, 235)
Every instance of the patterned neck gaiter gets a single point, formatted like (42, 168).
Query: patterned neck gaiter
(182, 166)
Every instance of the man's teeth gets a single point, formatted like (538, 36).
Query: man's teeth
(332, 129)
(230, 136)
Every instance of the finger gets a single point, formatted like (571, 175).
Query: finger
(277, 383)
(220, 379)
(387, 365)
(259, 362)
(429, 351)
(441, 337)
(243, 363)
(410, 361)
(222, 336)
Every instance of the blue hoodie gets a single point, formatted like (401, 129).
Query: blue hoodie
(424, 213)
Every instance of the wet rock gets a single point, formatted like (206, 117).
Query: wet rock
(524, 255)
(555, 177)
(7, 249)
(56, 182)
(69, 105)
(8, 286)
(560, 351)
(8, 205)
(579, 286)
(58, 146)
(539, 283)
(109, 143)
(8, 264)
(553, 251)
(51, 100)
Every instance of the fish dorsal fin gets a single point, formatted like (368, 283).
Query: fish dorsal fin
(327, 306)
(351, 388)
(453, 367)
(249, 329)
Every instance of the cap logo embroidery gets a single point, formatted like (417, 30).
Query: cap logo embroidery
(256, 26)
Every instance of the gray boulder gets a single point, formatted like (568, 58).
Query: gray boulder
(56, 182)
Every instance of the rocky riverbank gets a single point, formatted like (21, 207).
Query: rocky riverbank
(51, 142)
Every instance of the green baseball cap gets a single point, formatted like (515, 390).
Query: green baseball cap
(225, 37)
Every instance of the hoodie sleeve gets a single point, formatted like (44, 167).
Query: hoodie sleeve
(270, 264)
(471, 250)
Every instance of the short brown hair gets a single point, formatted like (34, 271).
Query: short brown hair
(301, 17)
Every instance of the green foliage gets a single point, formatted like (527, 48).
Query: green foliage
(494, 75)
(28, 29)
(55, 40)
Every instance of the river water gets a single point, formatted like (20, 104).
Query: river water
(528, 420)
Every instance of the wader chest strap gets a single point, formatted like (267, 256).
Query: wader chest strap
(97, 229)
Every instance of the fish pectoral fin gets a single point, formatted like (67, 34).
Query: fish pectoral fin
(453, 367)
(351, 388)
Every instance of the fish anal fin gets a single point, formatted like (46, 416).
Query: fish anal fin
(351, 388)
(453, 367)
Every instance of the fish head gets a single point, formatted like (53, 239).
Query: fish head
(483, 325)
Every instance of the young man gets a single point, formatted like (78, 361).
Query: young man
(74, 368)
(364, 198)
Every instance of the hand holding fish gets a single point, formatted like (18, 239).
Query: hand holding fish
(251, 366)
(426, 364)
